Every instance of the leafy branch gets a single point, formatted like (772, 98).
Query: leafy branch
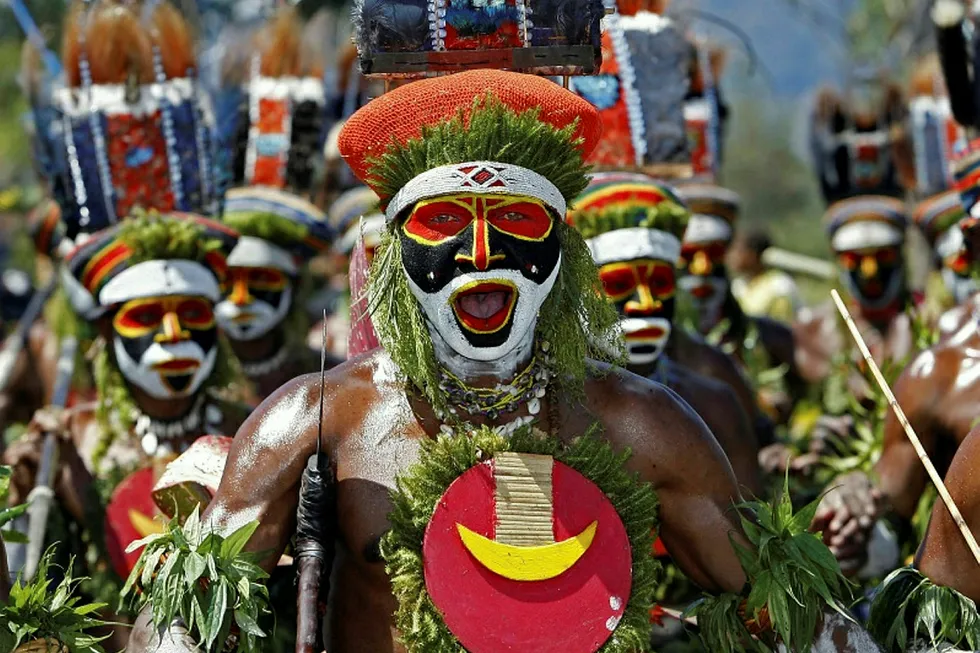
(207, 580)
(35, 612)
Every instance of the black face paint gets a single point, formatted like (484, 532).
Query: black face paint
(442, 241)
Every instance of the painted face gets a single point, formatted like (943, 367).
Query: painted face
(481, 267)
(258, 301)
(874, 275)
(705, 279)
(957, 275)
(643, 291)
(166, 346)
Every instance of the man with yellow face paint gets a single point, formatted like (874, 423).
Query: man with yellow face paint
(757, 343)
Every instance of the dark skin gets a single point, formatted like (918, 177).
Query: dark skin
(701, 358)
(716, 404)
(944, 555)
(32, 379)
(938, 394)
(371, 433)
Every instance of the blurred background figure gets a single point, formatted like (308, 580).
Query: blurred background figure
(760, 290)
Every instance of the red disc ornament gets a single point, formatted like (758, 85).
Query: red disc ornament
(499, 589)
(130, 516)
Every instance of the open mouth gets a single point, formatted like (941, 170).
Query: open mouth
(243, 317)
(177, 367)
(484, 307)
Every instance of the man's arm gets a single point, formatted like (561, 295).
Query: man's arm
(900, 475)
(694, 482)
(261, 478)
(944, 556)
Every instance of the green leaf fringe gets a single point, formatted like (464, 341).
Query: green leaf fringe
(493, 132)
(152, 236)
(911, 608)
(575, 318)
(36, 611)
(667, 216)
(207, 580)
(276, 229)
(793, 576)
(444, 459)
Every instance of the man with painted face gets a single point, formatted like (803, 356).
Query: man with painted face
(150, 286)
(487, 305)
(633, 226)
(758, 343)
(262, 311)
(938, 219)
(867, 235)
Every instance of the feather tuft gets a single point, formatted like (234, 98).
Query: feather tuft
(173, 36)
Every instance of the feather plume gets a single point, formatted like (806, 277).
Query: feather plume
(115, 43)
(927, 77)
(279, 45)
(173, 36)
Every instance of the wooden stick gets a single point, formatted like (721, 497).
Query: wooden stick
(971, 542)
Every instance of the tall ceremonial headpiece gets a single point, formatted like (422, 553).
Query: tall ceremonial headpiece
(276, 127)
(413, 38)
(640, 93)
(935, 136)
(853, 139)
(130, 128)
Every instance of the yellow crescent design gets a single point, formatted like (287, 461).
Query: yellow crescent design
(528, 562)
(144, 525)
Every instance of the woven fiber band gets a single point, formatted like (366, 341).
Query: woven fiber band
(485, 177)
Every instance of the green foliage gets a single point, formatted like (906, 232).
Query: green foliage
(36, 611)
(151, 236)
(493, 132)
(8, 514)
(666, 216)
(861, 448)
(276, 229)
(911, 608)
(444, 459)
(206, 579)
(575, 319)
(793, 578)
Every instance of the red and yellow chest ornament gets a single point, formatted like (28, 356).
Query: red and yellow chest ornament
(522, 544)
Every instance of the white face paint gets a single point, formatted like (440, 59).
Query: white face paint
(528, 299)
(646, 338)
(244, 322)
(708, 296)
(161, 362)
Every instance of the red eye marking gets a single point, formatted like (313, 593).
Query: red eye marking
(849, 260)
(146, 315)
(437, 222)
(661, 279)
(195, 313)
(524, 220)
(618, 280)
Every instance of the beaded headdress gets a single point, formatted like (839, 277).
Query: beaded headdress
(130, 128)
(936, 217)
(640, 93)
(935, 136)
(966, 174)
(273, 120)
(864, 222)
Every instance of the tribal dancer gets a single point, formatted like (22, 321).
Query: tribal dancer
(938, 393)
(439, 440)
(149, 285)
(633, 227)
(263, 312)
(649, 106)
(758, 343)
